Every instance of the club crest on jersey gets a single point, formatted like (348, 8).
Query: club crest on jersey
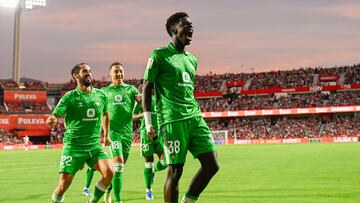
(149, 63)
(81, 104)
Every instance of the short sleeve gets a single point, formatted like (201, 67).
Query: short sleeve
(152, 67)
(61, 107)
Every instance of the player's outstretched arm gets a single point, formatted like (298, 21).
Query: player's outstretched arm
(51, 120)
(146, 104)
(106, 127)
(136, 117)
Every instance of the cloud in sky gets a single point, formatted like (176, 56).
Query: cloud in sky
(345, 10)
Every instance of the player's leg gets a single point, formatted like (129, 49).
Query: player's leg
(101, 162)
(70, 162)
(208, 169)
(118, 160)
(171, 188)
(160, 165)
(64, 183)
(147, 151)
(148, 176)
(203, 148)
(175, 142)
(89, 176)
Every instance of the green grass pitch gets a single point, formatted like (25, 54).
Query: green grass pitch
(249, 173)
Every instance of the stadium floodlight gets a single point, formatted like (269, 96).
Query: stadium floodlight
(19, 6)
(9, 3)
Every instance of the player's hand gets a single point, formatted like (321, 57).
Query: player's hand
(51, 121)
(138, 98)
(152, 135)
(107, 141)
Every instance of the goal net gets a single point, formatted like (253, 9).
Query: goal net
(220, 136)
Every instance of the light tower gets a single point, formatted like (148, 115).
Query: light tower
(19, 6)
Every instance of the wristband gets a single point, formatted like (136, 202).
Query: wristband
(147, 118)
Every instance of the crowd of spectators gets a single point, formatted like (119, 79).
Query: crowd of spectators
(15, 107)
(287, 127)
(341, 126)
(283, 79)
(212, 82)
(9, 138)
(26, 107)
(353, 75)
(34, 85)
(57, 134)
(257, 102)
(9, 85)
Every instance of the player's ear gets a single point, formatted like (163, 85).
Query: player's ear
(75, 76)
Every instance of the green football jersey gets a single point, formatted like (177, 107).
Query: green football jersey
(173, 74)
(121, 102)
(138, 109)
(83, 114)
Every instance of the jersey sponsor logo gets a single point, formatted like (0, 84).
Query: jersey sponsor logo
(149, 63)
(31, 121)
(90, 113)
(186, 79)
(118, 99)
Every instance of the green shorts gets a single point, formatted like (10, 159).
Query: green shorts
(72, 159)
(192, 134)
(148, 147)
(120, 145)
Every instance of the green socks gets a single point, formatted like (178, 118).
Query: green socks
(99, 191)
(148, 174)
(117, 181)
(89, 177)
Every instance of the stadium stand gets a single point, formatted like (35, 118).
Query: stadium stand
(247, 91)
(9, 138)
(9, 85)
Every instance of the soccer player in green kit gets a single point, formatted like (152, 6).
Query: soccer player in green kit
(85, 108)
(171, 71)
(122, 98)
(150, 147)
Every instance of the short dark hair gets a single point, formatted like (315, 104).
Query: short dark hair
(173, 19)
(76, 69)
(116, 63)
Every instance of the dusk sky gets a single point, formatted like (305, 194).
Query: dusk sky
(230, 35)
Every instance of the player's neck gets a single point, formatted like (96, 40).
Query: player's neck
(117, 83)
(84, 88)
(178, 45)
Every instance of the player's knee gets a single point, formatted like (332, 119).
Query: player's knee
(109, 173)
(175, 171)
